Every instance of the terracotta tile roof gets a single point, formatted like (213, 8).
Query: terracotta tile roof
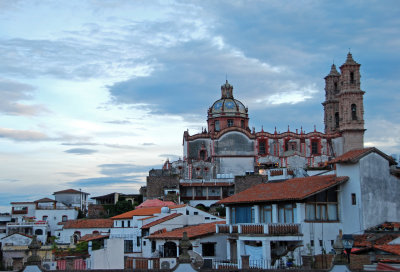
(144, 212)
(207, 184)
(88, 224)
(161, 220)
(292, 189)
(91, 237)
(192, 231)
(149, 217)
(46, 199)
(70, 191)
(354, 156)
(394, 249)
(155, 203)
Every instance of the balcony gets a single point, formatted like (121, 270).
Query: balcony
(274, 229)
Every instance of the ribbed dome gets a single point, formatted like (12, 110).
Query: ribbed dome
(227, 104)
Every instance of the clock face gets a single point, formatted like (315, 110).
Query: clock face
(218, 106)
(229, 105)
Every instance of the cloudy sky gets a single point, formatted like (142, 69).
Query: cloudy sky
(93, 94)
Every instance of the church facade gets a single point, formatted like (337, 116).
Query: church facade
(228, 149)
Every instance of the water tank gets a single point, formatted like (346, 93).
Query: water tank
(165, 210)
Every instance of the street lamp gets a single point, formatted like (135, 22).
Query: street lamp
(348, 241)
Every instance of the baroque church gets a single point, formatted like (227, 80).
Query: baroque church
(229, 157)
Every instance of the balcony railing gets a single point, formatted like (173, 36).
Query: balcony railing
(22, 224)
(201, 197)
(274, 229)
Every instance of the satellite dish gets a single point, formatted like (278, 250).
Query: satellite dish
(197, 259)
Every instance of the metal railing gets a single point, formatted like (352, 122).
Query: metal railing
(260, 228)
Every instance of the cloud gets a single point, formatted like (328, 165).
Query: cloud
(119, 122)
(80, 144)
(23, 135)
(80, 151)
(148, 144)
(12, 93)
(171, 157)
(121, 169)
(102, 181)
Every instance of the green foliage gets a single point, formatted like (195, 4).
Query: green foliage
(221, 211)
(120, 207)
(81, 214)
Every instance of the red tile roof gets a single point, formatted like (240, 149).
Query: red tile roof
(161, 220)
(46, 199)
(155, 203)
(88, 224)
(94, 236)
(394, 249)
(70, 191)
(292, 189)
(192, 231)
(354, 156)
(144, 212)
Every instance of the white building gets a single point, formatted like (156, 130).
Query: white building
(46, 212)
(133, 226)
(73, 230)
(304, 215)
(73, 198)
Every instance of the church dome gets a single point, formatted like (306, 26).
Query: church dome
(227, 105)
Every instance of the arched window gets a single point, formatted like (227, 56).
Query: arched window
(230, 122)
(351, 77)
(261, 147)
(335, 87)
(96, 232)
(242, 123)
(202, 155)
(39, 232)
(337, 119)
(353, 112)
(170, 249)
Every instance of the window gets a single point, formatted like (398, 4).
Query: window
(352, 77)
(123, 224)
(216, 124)
(266, 214)
(153, 246)
(196, 213)
(322, 206)
(242, 215)
(287, 145)
(286, 213)
(320, 243)
(312, 243)
(64, 218)
(353, 112)
(96, 232)
(242, 123)
(39, 232)
(337, 119)
(314, 147)
(138, 241)
(230, 122)
(144, 243)
(202, 155)
(208, 249)
(353, 199)
(335, 87)
(44, 218)
(261, 147)
(129, 224)
(187, 212)
(128, 246)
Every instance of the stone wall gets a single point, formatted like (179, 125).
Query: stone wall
(156, 184)
(244, 182)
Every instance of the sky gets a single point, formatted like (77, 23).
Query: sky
(94, 94)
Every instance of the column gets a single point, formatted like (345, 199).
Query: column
(228, 249)
(257, 214)
(274, 213)
(240, 252)
(228, 215)
(266, 251)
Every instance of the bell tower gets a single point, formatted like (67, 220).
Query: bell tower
(331, 103)
(351, 106)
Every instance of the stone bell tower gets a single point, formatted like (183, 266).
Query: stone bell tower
(331, 103)
(351, 106)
